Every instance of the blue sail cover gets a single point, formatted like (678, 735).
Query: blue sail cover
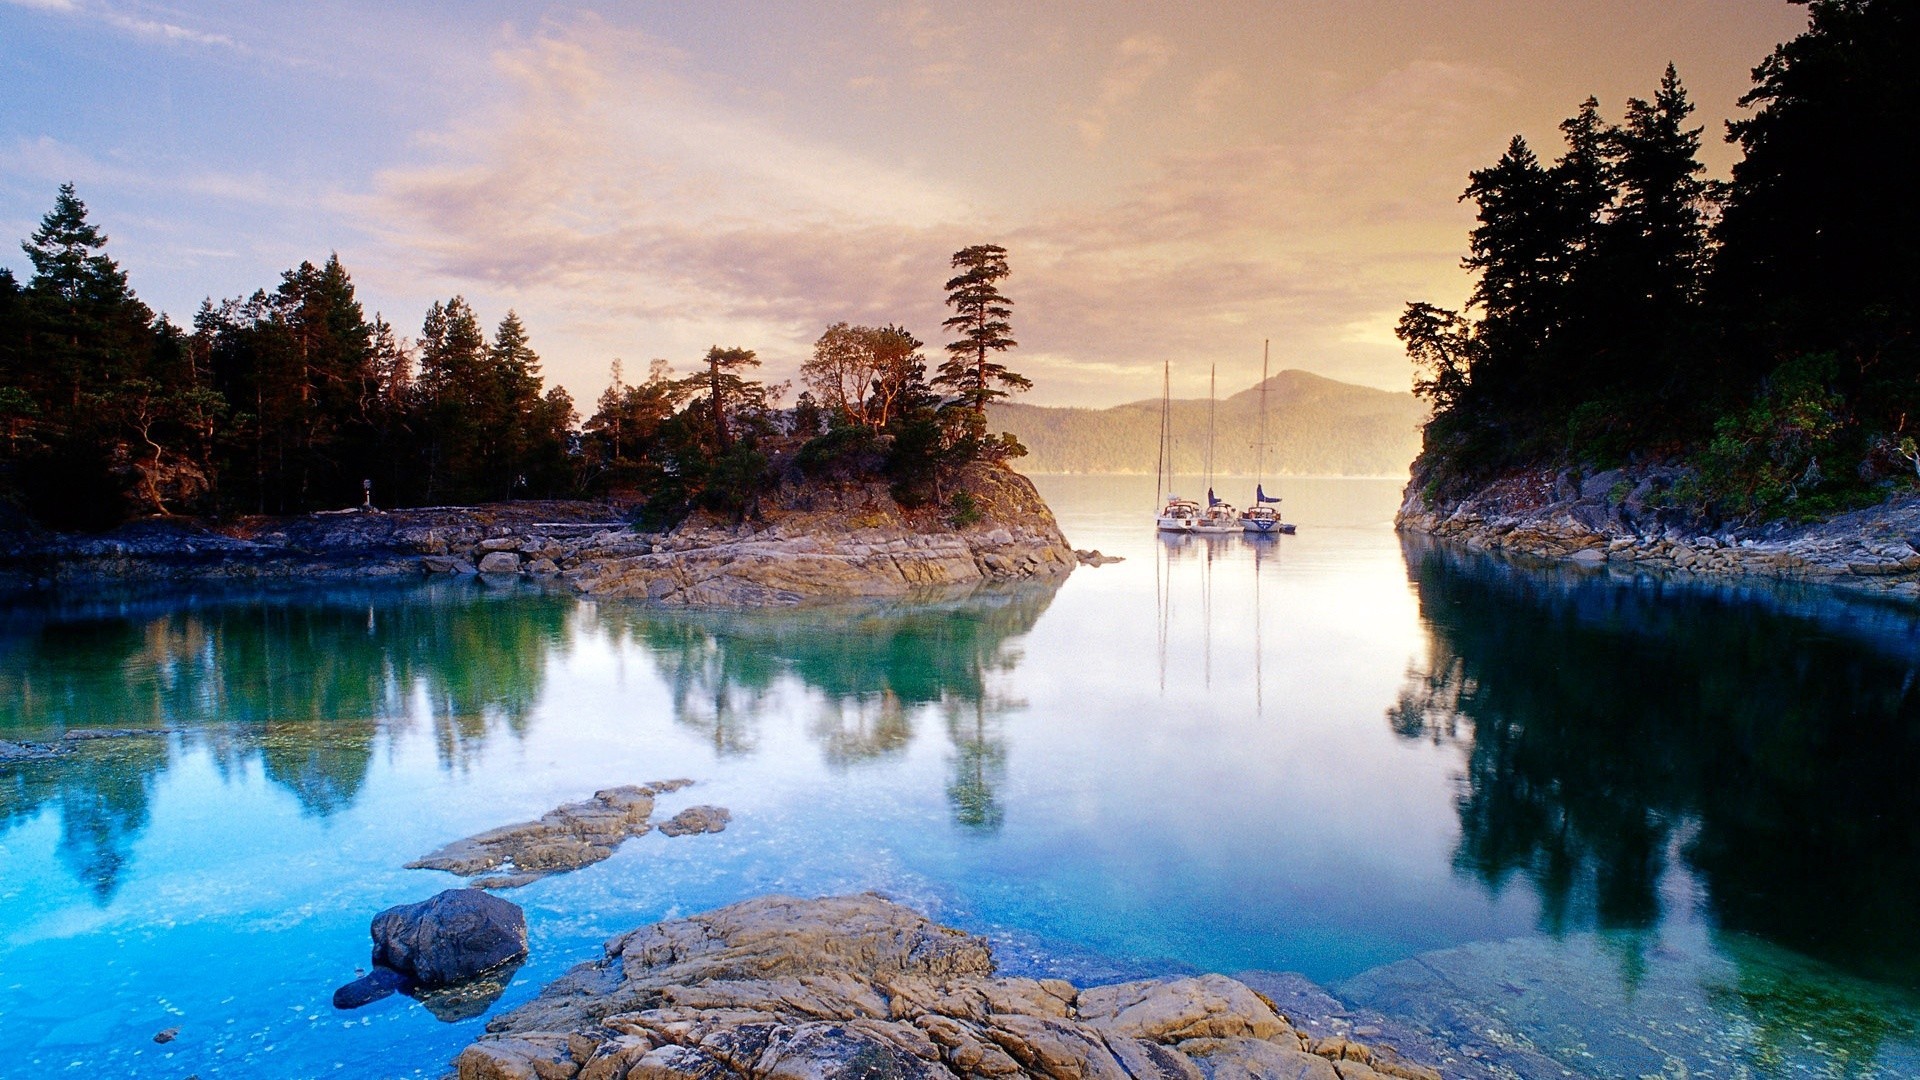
(1211, 501)
(1260, 494)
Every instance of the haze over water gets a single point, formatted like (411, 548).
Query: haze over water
(1321, 753)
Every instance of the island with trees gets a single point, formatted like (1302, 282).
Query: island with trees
(259, 442)
(1722, 376)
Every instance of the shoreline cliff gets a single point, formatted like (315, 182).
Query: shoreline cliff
(1622, 517)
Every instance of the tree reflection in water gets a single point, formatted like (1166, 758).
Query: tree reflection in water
(304, 681)
(877, 666)
(309, 682)
(1766, 739)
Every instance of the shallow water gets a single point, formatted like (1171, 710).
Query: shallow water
(1325, 753)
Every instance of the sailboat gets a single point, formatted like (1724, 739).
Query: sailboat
(1263, 517)
(1175, 515)
(1219, 516)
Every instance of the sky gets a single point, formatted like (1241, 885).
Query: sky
(1174, 182)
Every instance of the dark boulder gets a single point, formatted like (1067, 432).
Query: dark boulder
(369, 988)
(450, 938)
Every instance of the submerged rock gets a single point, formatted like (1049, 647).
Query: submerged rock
(858, 987)
(565, 838)
(697, 819)
(376, 984)
(450, 938)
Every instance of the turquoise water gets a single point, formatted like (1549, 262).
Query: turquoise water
(1322, 753)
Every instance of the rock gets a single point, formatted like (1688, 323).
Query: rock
(166, 1036)
(1094, 558)
(543, 567)
(1256, 1059)
(860, 988)
(449, 938)
(439, 564)
(565, 838)
(500, 562)
(15, 752)
(499, 543)
(1207, 1007)
(376, 984)
(697, 819)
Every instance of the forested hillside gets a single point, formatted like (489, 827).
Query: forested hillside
(1316, 427)
(1761, 333)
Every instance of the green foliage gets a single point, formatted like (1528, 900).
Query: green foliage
(963, 510)
(842, 444)
(1765, 459)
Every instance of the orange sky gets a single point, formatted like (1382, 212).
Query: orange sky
(642, 180)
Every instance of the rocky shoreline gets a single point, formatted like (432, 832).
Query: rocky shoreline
(1616, 517)
(858, 987)
(802, 544)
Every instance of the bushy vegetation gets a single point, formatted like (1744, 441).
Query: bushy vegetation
(1761, 330)
(291, 399)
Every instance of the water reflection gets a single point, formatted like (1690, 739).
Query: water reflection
(309, 684)
(1613, 730)
(876, 667)
(304, 682)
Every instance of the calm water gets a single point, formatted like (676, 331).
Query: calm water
(1323, 753)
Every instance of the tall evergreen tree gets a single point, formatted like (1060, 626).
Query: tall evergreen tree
(727, 392)
(452, 386)
(1817, 239)
(1661, 224)
(980, 318)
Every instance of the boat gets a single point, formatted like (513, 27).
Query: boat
(1174, 514)
(1178, 515)
(1263, 517)
(1219, 515)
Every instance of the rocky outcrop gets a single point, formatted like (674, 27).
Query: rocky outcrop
(840, 541)
(567, 837)
(858, 987)
(13, 752)
(347, 543)
(1618, 517)
(697, 819)
(804, 541)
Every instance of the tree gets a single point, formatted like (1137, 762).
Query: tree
(980, 317)
(1441, 344)
(860, 371)
(1817, 238)
(726, 391)
(1662, 219)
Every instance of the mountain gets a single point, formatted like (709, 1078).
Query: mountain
(1316, 427)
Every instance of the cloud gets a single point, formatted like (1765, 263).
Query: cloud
(1136, 61)
(130, 21)
(626, 211)
(49, 160)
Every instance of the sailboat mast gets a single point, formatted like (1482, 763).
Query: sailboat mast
(1260, 466)
(1160, 467)
(1212, 396)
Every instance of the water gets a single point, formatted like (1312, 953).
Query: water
(1324, 753)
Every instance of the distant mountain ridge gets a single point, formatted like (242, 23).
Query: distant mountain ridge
(1316, 427)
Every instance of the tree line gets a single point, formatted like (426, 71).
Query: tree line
(293, 399)
(1760, 329)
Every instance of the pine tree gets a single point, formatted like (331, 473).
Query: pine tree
(1816, 243)
(726, 391)
(981, 317)
(1662, 220)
